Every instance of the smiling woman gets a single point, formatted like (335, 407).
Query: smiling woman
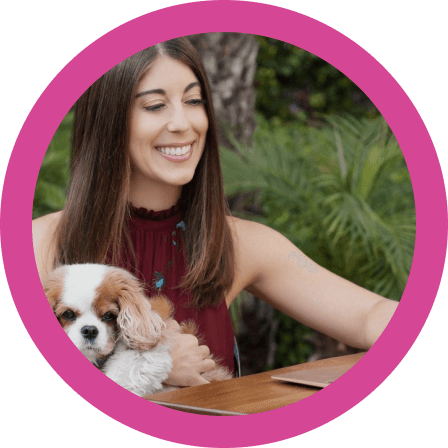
(146, 194)
(129, 204)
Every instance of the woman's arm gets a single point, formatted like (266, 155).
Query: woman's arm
(284, 277)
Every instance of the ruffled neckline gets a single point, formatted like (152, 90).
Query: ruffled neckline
(160, 215)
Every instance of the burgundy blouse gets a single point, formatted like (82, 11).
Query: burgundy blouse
(158, 240)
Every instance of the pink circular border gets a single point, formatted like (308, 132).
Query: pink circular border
(430, 199)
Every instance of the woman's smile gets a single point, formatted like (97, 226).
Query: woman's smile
(177, 152)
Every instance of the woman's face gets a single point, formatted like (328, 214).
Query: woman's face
(168, 125)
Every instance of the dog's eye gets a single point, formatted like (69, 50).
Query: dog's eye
(69, 315)
(108, 317)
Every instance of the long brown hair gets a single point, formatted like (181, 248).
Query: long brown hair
(93, 224)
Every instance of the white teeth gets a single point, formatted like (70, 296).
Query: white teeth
(178, 151)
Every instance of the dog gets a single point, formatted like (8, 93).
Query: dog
(106, 314)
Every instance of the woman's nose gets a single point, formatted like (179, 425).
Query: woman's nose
(178, 121)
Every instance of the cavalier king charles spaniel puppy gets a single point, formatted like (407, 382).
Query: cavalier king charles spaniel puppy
(105, 313)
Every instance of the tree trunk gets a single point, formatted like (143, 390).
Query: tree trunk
(230, 60)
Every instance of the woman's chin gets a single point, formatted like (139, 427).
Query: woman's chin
(179, 180)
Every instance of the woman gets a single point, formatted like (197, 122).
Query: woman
(146, 184)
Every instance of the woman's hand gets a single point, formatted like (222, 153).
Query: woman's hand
(189, 358)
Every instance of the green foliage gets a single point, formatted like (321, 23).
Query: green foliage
(292, 344)
(293, 84)
(53, 176)
(342, 194)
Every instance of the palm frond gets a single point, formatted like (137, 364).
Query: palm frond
(341, 193)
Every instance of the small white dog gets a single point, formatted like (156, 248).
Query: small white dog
(105, 313)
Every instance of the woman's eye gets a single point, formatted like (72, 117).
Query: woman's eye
(108, 317)
(69, 315)
(196, 102)
(155, 107)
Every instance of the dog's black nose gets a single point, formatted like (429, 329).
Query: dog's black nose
(89, 332)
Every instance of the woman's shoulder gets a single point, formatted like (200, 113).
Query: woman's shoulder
(257, 249)
(240, 229)
(250, 232)
(45, 224)
(43, 229)
(252, 242)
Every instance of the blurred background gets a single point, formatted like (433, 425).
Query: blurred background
(305, 152)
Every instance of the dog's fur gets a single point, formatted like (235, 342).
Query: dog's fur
(105, 313)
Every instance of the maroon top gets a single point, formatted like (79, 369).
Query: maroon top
(158, 240)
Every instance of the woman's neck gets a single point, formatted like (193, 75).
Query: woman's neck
(154, 197)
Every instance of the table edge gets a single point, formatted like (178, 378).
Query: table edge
(195, 409)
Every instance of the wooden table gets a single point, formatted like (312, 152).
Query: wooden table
(248, 394)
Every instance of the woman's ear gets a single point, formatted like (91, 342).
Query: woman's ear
(140, 327)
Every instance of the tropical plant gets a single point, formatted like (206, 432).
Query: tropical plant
(342, 194)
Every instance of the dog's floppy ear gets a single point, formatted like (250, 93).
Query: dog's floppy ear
(53, 286)
(140, 326)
